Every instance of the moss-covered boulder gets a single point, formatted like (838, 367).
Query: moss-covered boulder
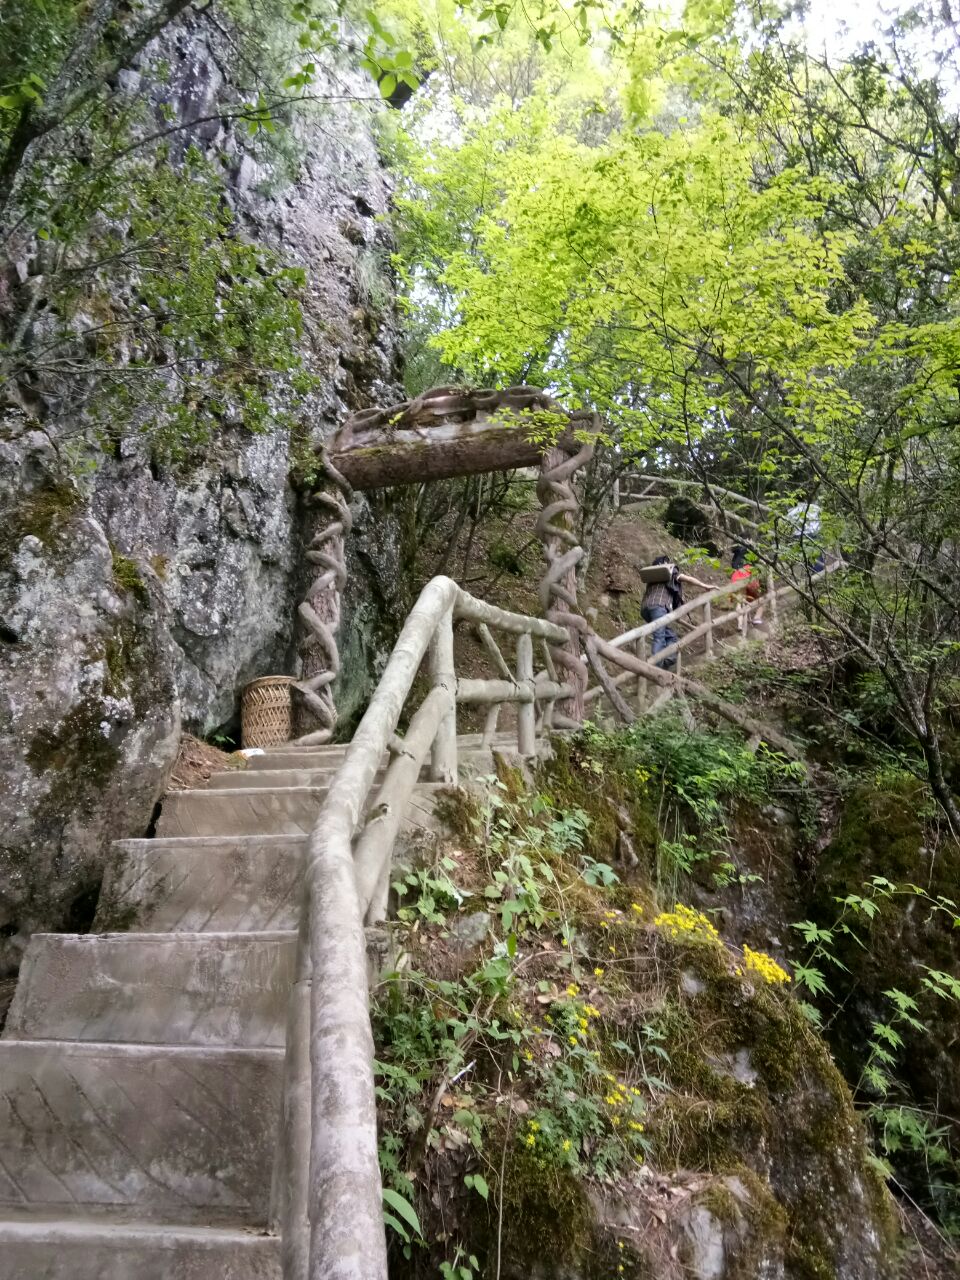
(604, 1087)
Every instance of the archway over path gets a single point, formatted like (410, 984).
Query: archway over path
(446, 432)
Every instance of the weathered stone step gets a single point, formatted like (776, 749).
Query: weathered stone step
(161, 1134)
(205, 884)
(154, 988)
(85, 1249)
(297, 758)
(250, 811)
(260, 779)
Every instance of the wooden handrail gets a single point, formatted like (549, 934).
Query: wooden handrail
(332, 1220)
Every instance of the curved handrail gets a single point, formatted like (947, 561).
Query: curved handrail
(332, 1213)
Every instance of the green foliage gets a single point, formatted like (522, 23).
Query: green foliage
(902, 1127)
(694, 778)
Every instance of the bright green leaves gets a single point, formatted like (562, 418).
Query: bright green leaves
(27, 92)
(642, 260)
(386, 60)
(399, 1214)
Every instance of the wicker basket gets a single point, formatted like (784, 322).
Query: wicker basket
(265, 712)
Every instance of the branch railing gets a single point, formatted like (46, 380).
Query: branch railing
(329, 1188)
(633, 644)
(705, 630)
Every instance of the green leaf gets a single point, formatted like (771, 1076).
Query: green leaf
(387, 85)
(403, 1207)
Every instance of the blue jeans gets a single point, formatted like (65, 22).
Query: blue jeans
(662, 638)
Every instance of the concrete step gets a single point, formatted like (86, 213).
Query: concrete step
(154, 988)
(206, 884)
(85, 1249)
(250, 811)
(297, 758)
(472, 762)
(154, 1133)
(269, 779)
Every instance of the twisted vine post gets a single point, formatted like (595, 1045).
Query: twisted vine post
(320, 611)
(558, 586)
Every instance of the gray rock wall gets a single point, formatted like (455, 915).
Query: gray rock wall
(136, 596)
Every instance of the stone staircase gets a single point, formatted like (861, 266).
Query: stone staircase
(141, 1065)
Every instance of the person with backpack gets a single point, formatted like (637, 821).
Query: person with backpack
(741, 569)
(661, 599)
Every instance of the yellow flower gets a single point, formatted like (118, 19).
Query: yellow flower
(635, 906)
(637, 1128)
(566, 1144)
(573, 1039)
(528, 1055)
(612, 950)
(531, 1140)
(598, 973)
(604, 925)
(534, 1125)
(591, 1011)
(573, 989)
(614, 1120)
(768, 969)
(583, 1024)
(683, 924)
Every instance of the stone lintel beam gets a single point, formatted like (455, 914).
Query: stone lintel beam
(451, 431)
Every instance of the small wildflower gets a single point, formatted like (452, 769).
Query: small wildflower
(614, 1120)
(582, 1022)
(534, 1125)
(566, 1144)
(612, 950)
(573, 989)
(528, 1055)
(637, 1128)
(635, 906)
(598, 973)
(684, 924)
(768, 969)
(611, 915)
(564, 942)
(604, 925)
(619, 1244)
(531, 1140)
(591, 1011)
(573, 1039)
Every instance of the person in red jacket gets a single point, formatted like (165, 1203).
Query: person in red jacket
(753, 591)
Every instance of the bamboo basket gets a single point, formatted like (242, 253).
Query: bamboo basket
(265, 712)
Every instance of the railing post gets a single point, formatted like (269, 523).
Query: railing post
(708, 619)
(526, 711)
(443, 754)
(640, 649)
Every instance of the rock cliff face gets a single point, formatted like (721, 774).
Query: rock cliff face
(134, 595)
